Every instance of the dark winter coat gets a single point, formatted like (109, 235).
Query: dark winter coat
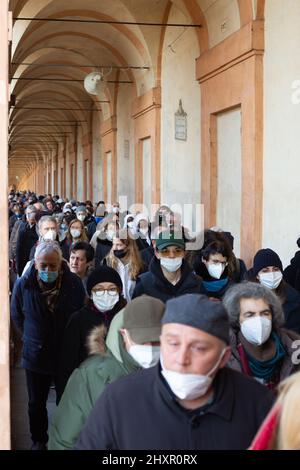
(42, 330)
(155, 284)
(291, 274)
(147, 255)
(139, 412)
(103, 247)
(74, 346)
(27, 237)
(90, 225)
(291, 308)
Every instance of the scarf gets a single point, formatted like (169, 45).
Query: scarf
(266, 369)
(215, 286)
(50, 294)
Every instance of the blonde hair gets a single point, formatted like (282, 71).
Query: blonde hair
(133, 257)
(83, 237)
(288, 431)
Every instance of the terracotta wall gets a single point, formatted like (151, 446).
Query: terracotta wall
(231, 74)
(4, 317)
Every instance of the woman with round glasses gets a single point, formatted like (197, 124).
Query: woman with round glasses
(104, 287)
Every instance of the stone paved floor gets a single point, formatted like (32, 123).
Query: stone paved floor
(19, 418)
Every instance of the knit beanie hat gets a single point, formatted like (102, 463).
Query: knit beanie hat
(264, 258)
(103, 274)
(198, 311)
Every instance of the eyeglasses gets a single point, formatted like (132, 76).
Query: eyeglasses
(178, 253)
(112, 291)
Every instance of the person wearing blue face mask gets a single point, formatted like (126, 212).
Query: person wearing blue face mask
(43, 300)
(214, 270)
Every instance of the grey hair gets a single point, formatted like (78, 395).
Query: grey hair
(46, 218)
(31, 207)
(48, 247)
(251, 290)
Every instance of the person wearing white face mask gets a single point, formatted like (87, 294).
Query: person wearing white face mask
(261, 348)
(214, 270)
(142, 231)
(169, 275)
(132, 343)
(104, 288)
(104, 239)
(87, 219)
(268, 271)
(177, 404)
(48, 232)
(76, 233)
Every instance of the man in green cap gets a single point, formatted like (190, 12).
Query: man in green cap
(169, 274)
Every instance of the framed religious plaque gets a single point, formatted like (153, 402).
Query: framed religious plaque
(180, 123)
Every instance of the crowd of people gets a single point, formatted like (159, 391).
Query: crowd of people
(149, 345)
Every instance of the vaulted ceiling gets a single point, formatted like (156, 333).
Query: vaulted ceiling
(50, 59)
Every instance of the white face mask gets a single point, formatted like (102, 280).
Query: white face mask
(189, 386)
(105, 302)
(146, 356)
(130, 224)
(256, 330)
(110, 234)
(271, 280)
(215, 270)
(75, 233)
(50, 235)
(144, 231)
(171, 264)
(81, 217)
(115, 210)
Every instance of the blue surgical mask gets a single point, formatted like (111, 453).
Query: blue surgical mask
(48, 276)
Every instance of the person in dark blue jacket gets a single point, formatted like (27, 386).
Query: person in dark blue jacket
(169, 274)
(43, 300)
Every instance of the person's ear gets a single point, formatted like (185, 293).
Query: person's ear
(226, 357)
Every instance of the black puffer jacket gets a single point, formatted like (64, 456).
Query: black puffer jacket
(291, 274)
(155, 284)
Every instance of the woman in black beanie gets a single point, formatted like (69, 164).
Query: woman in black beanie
(268, 271)
(104, 287)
